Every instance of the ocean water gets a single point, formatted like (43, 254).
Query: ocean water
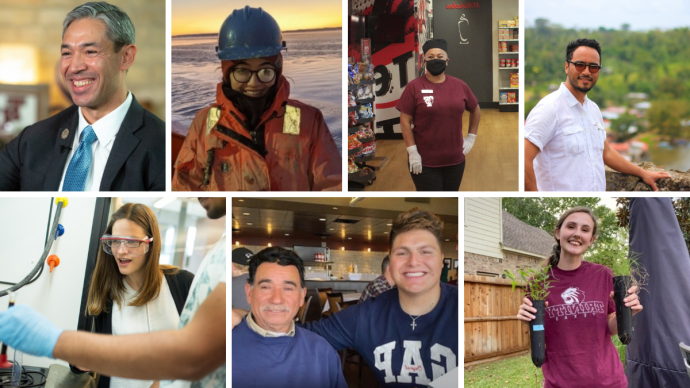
(312, 65)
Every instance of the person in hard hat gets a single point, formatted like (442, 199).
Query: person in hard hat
(255, 137)
(130, 291)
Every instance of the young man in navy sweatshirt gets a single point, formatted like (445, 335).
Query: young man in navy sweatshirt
(267, 349)
(408, 335)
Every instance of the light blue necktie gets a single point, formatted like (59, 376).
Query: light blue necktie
(79, 166)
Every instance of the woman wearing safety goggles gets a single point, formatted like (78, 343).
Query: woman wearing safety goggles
(130, 291)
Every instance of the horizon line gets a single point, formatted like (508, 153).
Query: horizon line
(215, 33)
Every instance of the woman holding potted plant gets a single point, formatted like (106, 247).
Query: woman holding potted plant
(580, 315)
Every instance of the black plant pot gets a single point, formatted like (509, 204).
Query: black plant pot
(621, 284)
(536, 334)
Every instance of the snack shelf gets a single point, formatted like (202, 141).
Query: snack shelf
(354, 151)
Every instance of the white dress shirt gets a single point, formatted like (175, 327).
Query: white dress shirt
(158, 314)
(106, 129)
(571, 139)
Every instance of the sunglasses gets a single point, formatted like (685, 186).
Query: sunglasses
(244, 75)
(580, 66)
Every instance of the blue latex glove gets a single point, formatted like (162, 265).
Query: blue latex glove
(22, 328)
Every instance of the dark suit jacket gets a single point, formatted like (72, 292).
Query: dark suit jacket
(35, 159)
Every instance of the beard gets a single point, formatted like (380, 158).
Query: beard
(575, 85)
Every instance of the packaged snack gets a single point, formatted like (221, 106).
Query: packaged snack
(360, 93)
(352, 119)
(514, 80)
(367, 92)
(503, 97)
(352, 142)
(365, 111)
(511, 97)
(351, 100)
(369, 149)
(351, 166)
(503, 23)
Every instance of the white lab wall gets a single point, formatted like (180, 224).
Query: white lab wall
(55, 295)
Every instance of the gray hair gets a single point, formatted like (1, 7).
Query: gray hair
(385, 263)
(118, 27)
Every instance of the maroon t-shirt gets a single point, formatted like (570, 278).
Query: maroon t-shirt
(579, 351)
(437, 111)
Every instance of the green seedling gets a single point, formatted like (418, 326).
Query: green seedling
(538, 282)
(621, 260)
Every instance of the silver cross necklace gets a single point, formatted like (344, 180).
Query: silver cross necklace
(414, 324)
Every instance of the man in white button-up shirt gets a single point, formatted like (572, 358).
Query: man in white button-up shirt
(565, 140)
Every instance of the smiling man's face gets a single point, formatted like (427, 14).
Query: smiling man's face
(91, 69)
(416, 262)
(584, 80)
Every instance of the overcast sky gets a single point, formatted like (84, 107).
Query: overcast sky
(642, 15)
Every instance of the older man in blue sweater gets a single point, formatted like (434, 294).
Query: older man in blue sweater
(267, 349)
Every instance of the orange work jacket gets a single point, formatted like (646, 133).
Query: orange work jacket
(217, 154)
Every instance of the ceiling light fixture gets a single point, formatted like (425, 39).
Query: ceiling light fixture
(163, 202)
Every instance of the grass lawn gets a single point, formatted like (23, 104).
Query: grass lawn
(514, 372)
(507, 373)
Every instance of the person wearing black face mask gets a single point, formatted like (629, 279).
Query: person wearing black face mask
(255, 137)
(435, 103)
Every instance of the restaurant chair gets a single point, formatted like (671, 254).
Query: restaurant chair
(335, 301)
(302, 313)
(322, 299)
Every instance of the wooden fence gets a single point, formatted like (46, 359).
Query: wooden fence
(491, 327)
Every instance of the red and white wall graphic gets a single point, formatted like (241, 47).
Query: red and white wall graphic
(395, 63)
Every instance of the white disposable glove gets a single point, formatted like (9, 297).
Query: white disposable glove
(415, 159)
(467, 143)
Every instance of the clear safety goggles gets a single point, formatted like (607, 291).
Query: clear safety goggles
(111, 242)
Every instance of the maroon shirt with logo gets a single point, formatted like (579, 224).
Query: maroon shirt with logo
(436, 110)
(579, 351)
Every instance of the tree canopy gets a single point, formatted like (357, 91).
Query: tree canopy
(544, 212)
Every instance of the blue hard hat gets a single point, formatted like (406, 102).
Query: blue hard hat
(249, 33)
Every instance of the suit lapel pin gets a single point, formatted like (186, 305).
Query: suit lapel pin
(65, 133)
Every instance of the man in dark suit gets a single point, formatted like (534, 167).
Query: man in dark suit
(107, 141)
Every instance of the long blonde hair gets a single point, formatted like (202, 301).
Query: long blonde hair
(107, 281)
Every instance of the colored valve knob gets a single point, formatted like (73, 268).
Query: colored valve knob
(53, 261)
(59, 231)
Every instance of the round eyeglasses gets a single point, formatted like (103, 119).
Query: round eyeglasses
(242, 75)
(111, 243)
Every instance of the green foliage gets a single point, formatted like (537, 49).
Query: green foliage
(621, 125)
(543, 213)
(653, 62)
(665, 117)
(623, 262)
(538, 282)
